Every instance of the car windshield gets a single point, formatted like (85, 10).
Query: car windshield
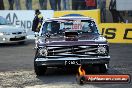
(3, 21)
(61, 26)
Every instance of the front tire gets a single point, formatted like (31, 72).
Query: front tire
(39, 70)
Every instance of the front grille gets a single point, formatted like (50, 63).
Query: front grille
(17, 39)
(17, 33)
(73, 51)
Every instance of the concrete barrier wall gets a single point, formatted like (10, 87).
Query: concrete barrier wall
(114, 32)
(24, 18)
(89, 13)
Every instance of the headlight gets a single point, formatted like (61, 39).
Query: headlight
(4, 33)
(43, 52)
(102, 50)
(1, 34)
(100, 39)
(41, 40)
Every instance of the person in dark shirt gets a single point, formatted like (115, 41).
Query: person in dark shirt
(66, 4)
(28, 4)
(37, 22)
(55, 4)
(43, 4)
(78, 5)
(16, 3)
(115, 14)
(2, 7)
(11, 3)
(91, 4)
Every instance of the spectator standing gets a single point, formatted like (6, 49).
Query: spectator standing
(11, 3)
(78, 5)
(55, 4)
(102, 7)
(58, 3)
(91, 4)
(37, 22)
(52, 4)
(43, 4)
(66, 4)
(2, 5)
(82, 5)
(74, 5)
(17, 4)
(28, 4)
(129, 13)
(115, 14)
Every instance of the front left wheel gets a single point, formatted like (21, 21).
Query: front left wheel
(40, 70)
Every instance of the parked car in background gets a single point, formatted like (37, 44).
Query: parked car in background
(10, 33)
(71, 41)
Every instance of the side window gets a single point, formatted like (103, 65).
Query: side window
(55, 27)
(85, 27)
(45, 27)
(62, 26)
(93, 27)
(89, 26)
(49, 27)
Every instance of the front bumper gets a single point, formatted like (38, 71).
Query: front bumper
(12, 38)
(62, 61)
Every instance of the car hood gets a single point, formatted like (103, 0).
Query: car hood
(10, 28)
(80, 40)
(77, 38)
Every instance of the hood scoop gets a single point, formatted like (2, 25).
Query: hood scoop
(71, 36)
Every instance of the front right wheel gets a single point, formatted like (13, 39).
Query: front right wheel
(39, 70)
